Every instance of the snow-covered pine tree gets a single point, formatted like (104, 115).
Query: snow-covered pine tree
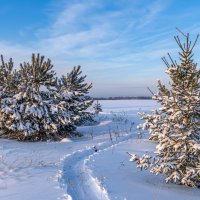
(60, 101)
(97, 108)
(177, 124)
(29, 115)
(7, 76)
(154, 121)
(74, 86)
(34, 105)
(9, 80)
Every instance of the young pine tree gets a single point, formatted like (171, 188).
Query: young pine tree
(176, 126)
(97, 108)
(61, 109)
(29, 115)
(9, 79)
(74, 85)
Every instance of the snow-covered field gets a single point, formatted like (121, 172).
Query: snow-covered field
(95, 166)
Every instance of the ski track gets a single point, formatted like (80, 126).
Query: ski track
(77, 179)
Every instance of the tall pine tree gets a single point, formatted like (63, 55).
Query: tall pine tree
(176, 126)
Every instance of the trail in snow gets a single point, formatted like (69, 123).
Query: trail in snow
(77, 177)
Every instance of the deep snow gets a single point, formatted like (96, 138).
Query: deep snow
(95, 166)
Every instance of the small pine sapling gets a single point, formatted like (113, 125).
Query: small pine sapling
(97, 108)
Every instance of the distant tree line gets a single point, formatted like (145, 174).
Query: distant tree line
(122, 98)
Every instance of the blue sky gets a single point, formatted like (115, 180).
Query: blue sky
(118, 43)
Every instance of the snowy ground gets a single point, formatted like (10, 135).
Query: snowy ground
(95, 166)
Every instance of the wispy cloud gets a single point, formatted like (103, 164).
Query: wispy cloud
(82, 28)
(151, 12)
(88, 27)
(104, 37)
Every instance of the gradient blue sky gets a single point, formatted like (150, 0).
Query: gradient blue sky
(118, 43)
